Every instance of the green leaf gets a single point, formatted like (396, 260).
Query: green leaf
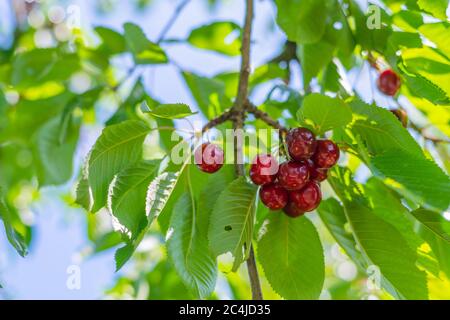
(380, 242)
(118, 147)
(188, 249)
(314, 57)
(429, 64)
(158, 193)
(333, 216)
(416, 177)
(34, 67)
(210, 192)
(303, 21)
(112, 41)
(14, 238)
(434, 222)
(291, 255)
(232, 221)
(143, 50)
(380, 130)
(438, 33)
(83, 196)
(437, 8)
(169, 111)
(127, 195)
(323, 113)
(208, 93)
(223, 37)
(369, 39)
(54, 159)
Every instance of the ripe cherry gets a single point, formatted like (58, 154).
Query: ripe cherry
(264, 169)
(389, 82)
(327, 154)
(273, 196)
(308, 198)
(292, 210)
(301, 143)
(209, 158)
(293, 175)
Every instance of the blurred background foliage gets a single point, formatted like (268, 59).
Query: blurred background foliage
(68, 68)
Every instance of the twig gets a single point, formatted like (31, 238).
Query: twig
(238, 124)
(218, 121)
(172, 20)
(251, 108)
(424, 135)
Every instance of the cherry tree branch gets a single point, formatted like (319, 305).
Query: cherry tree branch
(238, 124)
(172, 20)
(224, 117)
(251, 108)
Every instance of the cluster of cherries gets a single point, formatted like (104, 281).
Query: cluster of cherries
(294, 186)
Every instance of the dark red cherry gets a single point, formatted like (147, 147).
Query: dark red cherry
(389, 82)
(327, 154)
(264, 169)
(301, 143)
(308, 198)
(209, 158)
(293, 175)
(293, 211)
(319, 175)
(315, 173)
(273, 196)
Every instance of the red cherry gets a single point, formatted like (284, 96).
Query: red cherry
(264, 169)
(293, 211)
(293, 175)
(308, 198)
(209, 158)
(316, 174)
(389, 82)
(319, 175)
(327, 154)
(301, 143)
(273, 196)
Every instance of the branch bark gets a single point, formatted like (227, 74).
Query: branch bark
(239, 114)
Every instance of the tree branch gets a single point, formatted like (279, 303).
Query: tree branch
(251, 108)
(172, 20)
(218, 121)
(238, 124)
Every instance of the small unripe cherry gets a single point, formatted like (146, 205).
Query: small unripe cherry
(273, 196)
(327, 154)
(308, 198)
(292, 210)
(264, 169)
(293, 175)
(209, 158)
(401, 115)
(301, 143)
(389, 82)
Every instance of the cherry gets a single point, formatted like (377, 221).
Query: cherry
(293, 211)
(301, 143)
(264, 169)
(318, 175)
(389, 82)
(327, 154)
(274, 196)
(401, 115)
(293, 175)
(209, 158)
(308, 198)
